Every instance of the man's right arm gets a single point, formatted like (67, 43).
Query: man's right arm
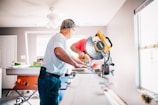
(62, 55)
(76, 50)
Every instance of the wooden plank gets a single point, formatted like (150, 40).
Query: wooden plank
(84, 90)
(23, 71)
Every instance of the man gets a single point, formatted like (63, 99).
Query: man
(54, 64)
(79, 48)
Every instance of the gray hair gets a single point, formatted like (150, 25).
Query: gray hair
(67, 23)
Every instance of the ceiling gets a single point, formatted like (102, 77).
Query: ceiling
(35, 13)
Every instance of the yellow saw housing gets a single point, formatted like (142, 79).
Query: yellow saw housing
(102, 45)
(97, 48)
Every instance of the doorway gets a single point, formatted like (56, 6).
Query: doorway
(8, 54)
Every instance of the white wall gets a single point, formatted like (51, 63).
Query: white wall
(0, 82)
(121, 32)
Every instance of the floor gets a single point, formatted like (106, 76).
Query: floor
(11, 97)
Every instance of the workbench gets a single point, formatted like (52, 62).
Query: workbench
(27, 77)
(26, 80)
(23, 70)
(85, 89)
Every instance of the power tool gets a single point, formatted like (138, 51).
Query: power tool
(98, 47)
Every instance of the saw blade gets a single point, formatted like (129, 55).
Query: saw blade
(91, 51)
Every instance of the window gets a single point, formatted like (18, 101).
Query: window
(41, 44)
(146, 26)
(36, 43)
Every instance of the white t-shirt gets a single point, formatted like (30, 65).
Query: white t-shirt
(51, 62)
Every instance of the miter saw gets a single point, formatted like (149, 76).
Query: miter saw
(98, 47)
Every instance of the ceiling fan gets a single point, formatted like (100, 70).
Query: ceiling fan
(54, 18)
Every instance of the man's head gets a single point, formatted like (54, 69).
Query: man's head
(67, 27)
(67, 23)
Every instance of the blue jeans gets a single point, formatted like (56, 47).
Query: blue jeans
(48, 89)
(64, 84)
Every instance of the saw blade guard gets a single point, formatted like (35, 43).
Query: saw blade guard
(91, 51)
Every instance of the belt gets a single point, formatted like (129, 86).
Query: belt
(53, 75)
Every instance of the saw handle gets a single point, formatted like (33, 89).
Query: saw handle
(109, 41)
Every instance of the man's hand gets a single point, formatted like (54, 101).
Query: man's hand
(84, 58)
(81, 55)
(81, 66)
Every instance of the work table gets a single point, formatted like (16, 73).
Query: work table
(85, 89)
(23, 70)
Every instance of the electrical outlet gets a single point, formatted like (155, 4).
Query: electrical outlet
(23, 57)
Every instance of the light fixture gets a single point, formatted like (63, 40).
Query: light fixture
(54, 19)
